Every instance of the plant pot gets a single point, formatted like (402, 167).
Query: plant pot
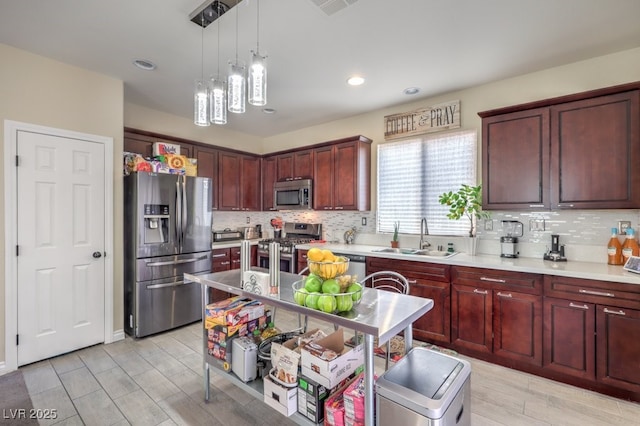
(473, 245)
(395, 244)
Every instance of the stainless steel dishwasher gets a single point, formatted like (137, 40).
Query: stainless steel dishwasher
(357, 264)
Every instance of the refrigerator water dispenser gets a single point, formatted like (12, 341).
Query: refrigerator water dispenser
(156, 223)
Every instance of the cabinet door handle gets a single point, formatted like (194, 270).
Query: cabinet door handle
(504, 294)
(573, 305)
(220, 255)
(339, 207)
(596, 293)
(477, 291)
(493, 280)
(536, 205)
(565, 205)
(412, 282)
(620, 312)
(224, 263)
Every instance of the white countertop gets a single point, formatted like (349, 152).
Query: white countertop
(586, 270)
(231, 244)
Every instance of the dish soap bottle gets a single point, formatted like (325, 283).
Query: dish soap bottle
(630, 246)
(614, 249)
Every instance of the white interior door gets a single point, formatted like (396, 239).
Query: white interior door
(60, 234)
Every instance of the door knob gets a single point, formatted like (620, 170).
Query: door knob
(97, 255)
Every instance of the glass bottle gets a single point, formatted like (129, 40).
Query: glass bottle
(630, 246)
(614, 249)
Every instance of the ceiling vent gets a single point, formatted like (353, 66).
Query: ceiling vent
(210, 10)
(332, 6)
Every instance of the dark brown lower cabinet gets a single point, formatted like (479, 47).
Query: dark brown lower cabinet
(497, 315)
(471, 328)
(569, 339)
(430, 281)
(517, 326)
(618, 343)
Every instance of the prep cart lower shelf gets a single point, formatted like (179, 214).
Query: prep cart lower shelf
(380, 314)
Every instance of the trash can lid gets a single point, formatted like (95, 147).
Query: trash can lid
(424, 378)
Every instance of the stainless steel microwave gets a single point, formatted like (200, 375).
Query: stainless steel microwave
(293, 195)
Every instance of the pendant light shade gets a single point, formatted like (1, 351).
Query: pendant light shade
(201, 90)
(258, 80)
(201, 103)
(236, 87)
(218, 101)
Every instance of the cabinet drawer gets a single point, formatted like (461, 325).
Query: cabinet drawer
(418, 270)
(593, 291)
(491, 278)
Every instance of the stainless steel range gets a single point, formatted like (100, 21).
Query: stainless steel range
(295, 233)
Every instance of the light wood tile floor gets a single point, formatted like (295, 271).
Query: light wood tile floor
(158, 380)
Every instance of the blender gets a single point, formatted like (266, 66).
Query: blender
(509, 242)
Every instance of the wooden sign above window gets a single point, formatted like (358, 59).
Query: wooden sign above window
(427, 120)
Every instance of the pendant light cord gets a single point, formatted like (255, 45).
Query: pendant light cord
(218, 23)
(258, 27)
(237, 12)
(202, 48)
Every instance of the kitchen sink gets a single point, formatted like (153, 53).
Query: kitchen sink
(416, 252)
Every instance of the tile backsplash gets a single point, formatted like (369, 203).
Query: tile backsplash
(584, 233)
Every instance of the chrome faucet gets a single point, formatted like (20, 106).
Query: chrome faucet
(424, 230)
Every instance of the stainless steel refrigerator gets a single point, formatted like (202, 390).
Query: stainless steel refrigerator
(167, 232)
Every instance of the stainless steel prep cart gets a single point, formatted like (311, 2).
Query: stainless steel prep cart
(380, 314)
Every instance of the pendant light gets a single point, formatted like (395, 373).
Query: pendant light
(218, 92)
(236, 81)
(258, 70)
(201, 92)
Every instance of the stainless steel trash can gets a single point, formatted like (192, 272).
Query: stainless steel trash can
(425, 388)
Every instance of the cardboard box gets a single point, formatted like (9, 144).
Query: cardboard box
(354, 400)
(328, 362)
(282, 399)
(233, 311)
(191, 167)
(220, 337)
(311, 397)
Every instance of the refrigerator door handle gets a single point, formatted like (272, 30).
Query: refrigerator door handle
(178, 221)
(176, 284)
(176, 262)
(185, 208)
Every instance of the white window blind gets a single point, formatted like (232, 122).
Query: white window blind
(413, 173)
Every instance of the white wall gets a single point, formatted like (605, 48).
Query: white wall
(37, 90)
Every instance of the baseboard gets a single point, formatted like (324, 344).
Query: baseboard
(118, 335)
(3, 368)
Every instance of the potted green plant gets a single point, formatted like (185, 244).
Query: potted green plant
(467, 201)
(396, 228)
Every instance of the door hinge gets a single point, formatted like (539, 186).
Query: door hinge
(17, 160)
(17, 250)
(17, 339)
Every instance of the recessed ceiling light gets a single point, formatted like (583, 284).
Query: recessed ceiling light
(356, 80)
(411, 90)
(143, 64)
(268, 110)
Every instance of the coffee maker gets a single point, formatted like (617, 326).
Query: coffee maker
(556, 254)
(509, 242)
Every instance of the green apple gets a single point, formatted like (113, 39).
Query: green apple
(330, 286)
(344, 303)
(356, 289)
(327, 303)
(300, 296)
(313, 283)
(312, 300)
